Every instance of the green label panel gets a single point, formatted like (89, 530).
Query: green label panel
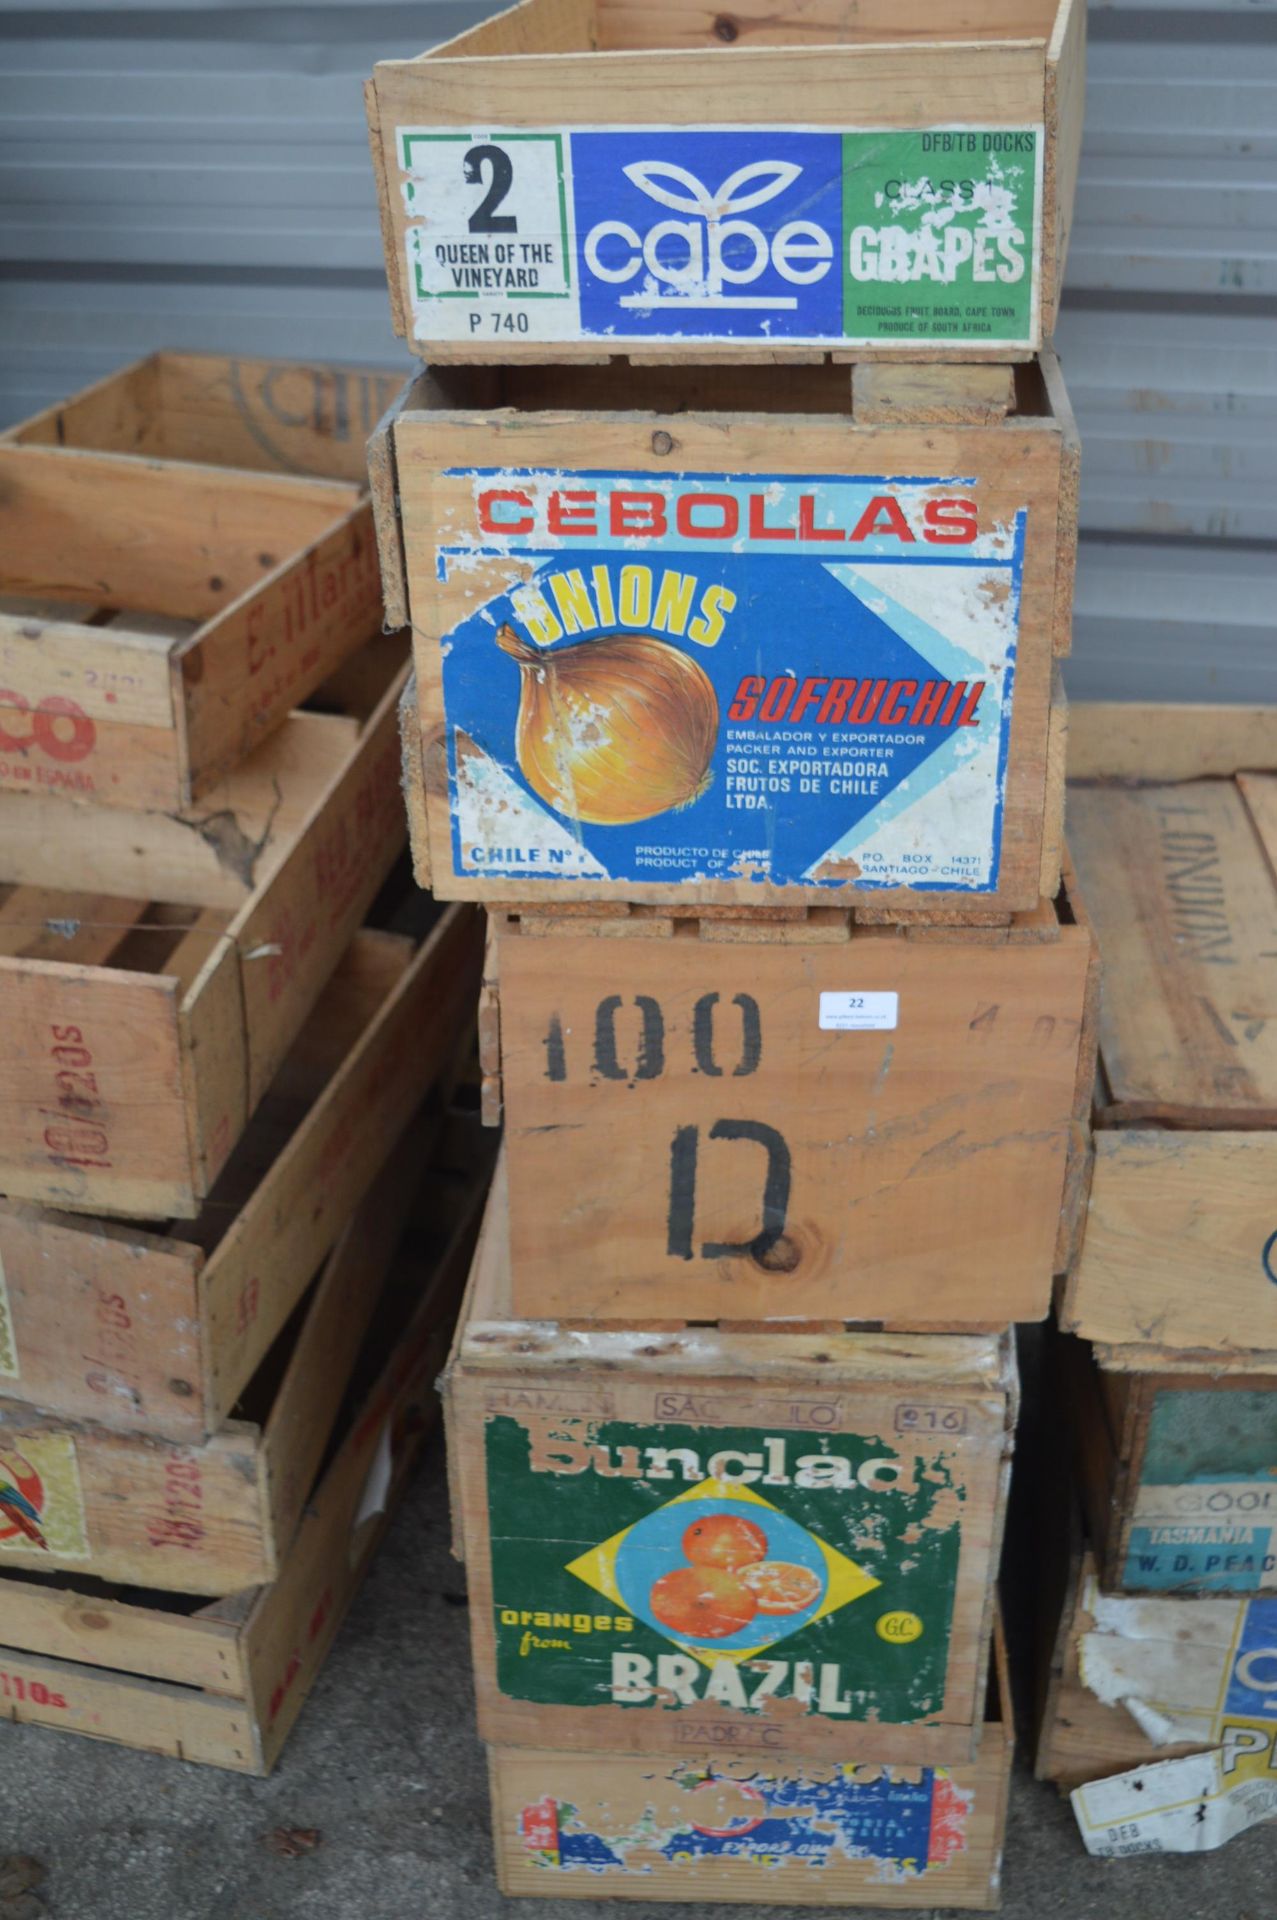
(678, 1566)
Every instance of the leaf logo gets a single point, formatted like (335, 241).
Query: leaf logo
(647, 175)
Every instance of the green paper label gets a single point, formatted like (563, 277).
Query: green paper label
(680, 1567)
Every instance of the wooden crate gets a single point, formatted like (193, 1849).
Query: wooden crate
(158, 1329)
(158, 619)
(1177, 1465)
(618, 704)
(1175, 843)
(834, 134)
(691, 1131)
(265, 416)
(223, 1683)
(1196, 1672)
(213, 1515)
(763, 1828)
(135, 1041)
(871, 1472)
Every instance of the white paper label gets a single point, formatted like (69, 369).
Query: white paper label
(859, 1012)
(1175, 1806)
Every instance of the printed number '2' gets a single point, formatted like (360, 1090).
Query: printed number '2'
(485, 218)
(684, 1156)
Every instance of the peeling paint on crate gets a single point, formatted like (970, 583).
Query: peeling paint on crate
(905, 1820)
(1201, 1671)
(668, 1567)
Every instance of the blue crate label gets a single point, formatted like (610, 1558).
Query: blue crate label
(908, 1820)
(775, 680)
(1206, 1506)
(806, 236)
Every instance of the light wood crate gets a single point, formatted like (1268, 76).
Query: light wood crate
(158, 1328)
(159, 619)
(1173, 827)
(687, 1136)
(763, 1829)
(223, 1683)
(154, 970)
(488, 177)
(868, 1474)
(217, 410)
(782, 721)
(214, 1515)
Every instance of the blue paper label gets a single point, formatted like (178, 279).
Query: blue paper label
(780, 679)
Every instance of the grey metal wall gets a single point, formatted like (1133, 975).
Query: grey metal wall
(194, 173)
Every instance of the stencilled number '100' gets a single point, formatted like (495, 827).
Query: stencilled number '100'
(647, 1060)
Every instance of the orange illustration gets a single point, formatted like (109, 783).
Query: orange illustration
(781, 1586)
(724, 1540)
(702, 1603)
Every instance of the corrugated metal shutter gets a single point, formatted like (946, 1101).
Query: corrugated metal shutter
(197, 175)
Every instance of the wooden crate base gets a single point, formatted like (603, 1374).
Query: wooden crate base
(769, 1829)
(223, 1684)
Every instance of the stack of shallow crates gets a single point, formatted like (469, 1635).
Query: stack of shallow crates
(734, 517)
(214, 1106)
(1157, 1711)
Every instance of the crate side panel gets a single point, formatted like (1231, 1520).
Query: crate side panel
(683, 1133)
(92, 1096)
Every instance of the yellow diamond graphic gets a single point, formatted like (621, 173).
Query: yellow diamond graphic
(845, 1581)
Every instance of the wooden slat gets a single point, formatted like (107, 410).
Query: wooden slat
(79, 929)
(1185, 907)
(1178, 1250)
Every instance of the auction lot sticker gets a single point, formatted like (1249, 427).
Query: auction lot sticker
(808, 236)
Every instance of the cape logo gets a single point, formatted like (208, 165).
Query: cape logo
(41, 1502)
(722, 1572)
(699, 261)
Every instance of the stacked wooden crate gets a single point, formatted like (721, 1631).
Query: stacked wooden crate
(735, 519)
(1163, 1666)
(226, 1075)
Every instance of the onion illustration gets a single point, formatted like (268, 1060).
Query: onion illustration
(613, 730)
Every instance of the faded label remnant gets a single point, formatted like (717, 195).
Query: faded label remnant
(41, 1503)
(1191, 1805)
(778, 680)
(723, 1570)
(911, 1819)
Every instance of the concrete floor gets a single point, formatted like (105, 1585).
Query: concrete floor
(385, 1764)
